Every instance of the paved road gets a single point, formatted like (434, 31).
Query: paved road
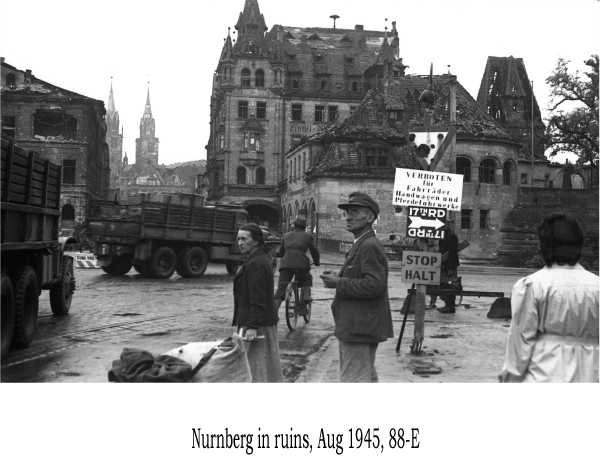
(112, 312)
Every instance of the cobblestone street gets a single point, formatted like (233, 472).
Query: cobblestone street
(110, 313)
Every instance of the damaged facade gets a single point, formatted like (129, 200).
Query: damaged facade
(63, 126)
(271, 88)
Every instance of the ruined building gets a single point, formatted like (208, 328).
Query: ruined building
(64, 126)
(274, 86)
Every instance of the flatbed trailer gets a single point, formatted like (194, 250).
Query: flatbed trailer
(32, 254)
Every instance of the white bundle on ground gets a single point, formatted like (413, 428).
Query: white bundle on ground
(228, 364)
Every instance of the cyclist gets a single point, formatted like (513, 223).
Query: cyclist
(292, 252)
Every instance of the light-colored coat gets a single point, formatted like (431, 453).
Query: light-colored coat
(553, 335)
(361, 307)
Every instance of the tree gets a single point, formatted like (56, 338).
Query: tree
(573, 124)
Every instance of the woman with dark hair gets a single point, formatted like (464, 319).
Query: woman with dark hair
(553, 335)
(254, 307)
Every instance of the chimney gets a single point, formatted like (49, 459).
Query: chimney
(359, 27)
(28, 76)
(1, 60)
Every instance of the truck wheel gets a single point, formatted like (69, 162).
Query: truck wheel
(163, 263)
(61, 292)
(119, 265)
(8, 313)
(192, 263)
(26, 306)
(141, 267)
(232, 266)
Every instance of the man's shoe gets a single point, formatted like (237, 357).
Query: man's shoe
(303, 311)
(448, 309)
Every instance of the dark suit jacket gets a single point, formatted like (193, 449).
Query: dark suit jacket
(450, 244)
(254, 304)
(293, 251)
(361, 307)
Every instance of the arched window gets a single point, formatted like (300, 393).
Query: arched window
(577, 182)
(296, 210)
(259, 78)
(506, 170)
(241, 175)
(68, 216)
(245, 77)
(487, 171)
(463, 166)
(260, 176)
(304, 211)
(312, 215)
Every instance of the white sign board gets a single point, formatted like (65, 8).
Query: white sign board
(431, 140)
(426, 222)
(421, 267)
(428, 189)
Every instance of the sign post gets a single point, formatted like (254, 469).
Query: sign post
(429, 196)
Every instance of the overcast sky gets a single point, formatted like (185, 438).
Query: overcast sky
(78, 45)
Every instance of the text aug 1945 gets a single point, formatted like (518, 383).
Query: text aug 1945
(353, 439)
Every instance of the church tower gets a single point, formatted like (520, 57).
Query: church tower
(146, 146)
(114, 138)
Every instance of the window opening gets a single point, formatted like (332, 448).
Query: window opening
(319, 113)
(9, 126)
(259, 78)
(69, 166)
(241, 175)
(260, 176)
(487, 171)
(465, 219)
(484, 219)
(245, 77)
(242, 109)
(463, 166)
(332, 113)
(261, 110)
(506, 171)
(296, 111)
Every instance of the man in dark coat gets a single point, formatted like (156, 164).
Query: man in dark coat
(449, 267)
(361, 306)
(292, 252)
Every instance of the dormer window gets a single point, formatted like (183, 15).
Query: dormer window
(251, 48)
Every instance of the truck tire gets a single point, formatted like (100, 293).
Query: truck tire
(141, 267)
(163, 263)
(118, 266)
(26, 292)
(61, 292)
(192, 262)
(232, 266)
(8, 313)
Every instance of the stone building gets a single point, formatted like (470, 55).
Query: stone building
(273, 86)
(66, 127)
(363, 153)
(146, 146)
(114, 139)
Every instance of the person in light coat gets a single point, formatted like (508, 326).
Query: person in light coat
(553, 335)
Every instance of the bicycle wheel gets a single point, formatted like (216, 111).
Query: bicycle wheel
(430, 301)
(307, 316)
(291, 306)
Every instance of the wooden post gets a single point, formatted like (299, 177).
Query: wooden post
(419, 333)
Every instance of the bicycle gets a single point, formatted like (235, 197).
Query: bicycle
(430, 299)
(294, 302)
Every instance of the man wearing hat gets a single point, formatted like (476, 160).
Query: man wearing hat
(292, 252)
(361, 306)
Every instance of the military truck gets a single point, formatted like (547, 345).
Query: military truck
(33, 256)
(172, 232)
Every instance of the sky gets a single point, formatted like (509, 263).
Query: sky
(173, 48)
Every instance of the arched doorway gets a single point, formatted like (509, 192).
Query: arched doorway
(68, 217)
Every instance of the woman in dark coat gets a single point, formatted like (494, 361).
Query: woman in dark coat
(254, 307)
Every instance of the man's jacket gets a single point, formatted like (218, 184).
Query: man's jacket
(361, 307)
(293, 251)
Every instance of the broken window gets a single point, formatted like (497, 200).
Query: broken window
(251, 141)
(261, 110)
(463, 166)
(487, 171)
(484, 219)
(245, 78)
(323, 85)
(296, 111)
(251, 48)
(259, 78)
(260, 176)
(319, 113)
(515, 107)
(9, 126)
(10, 80)
(349, 60)
(69, 166)
(465, 219)
(354, 86)
(242, 109)
(295, 84)
(55, 125)
(524, 178)
(333, 111)
(241, 175)
(506, 171)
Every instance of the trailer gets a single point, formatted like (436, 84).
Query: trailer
(174, 232)
(33, 256)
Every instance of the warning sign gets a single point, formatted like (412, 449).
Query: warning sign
(425, 222)
(421, 268)
(428, 189)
